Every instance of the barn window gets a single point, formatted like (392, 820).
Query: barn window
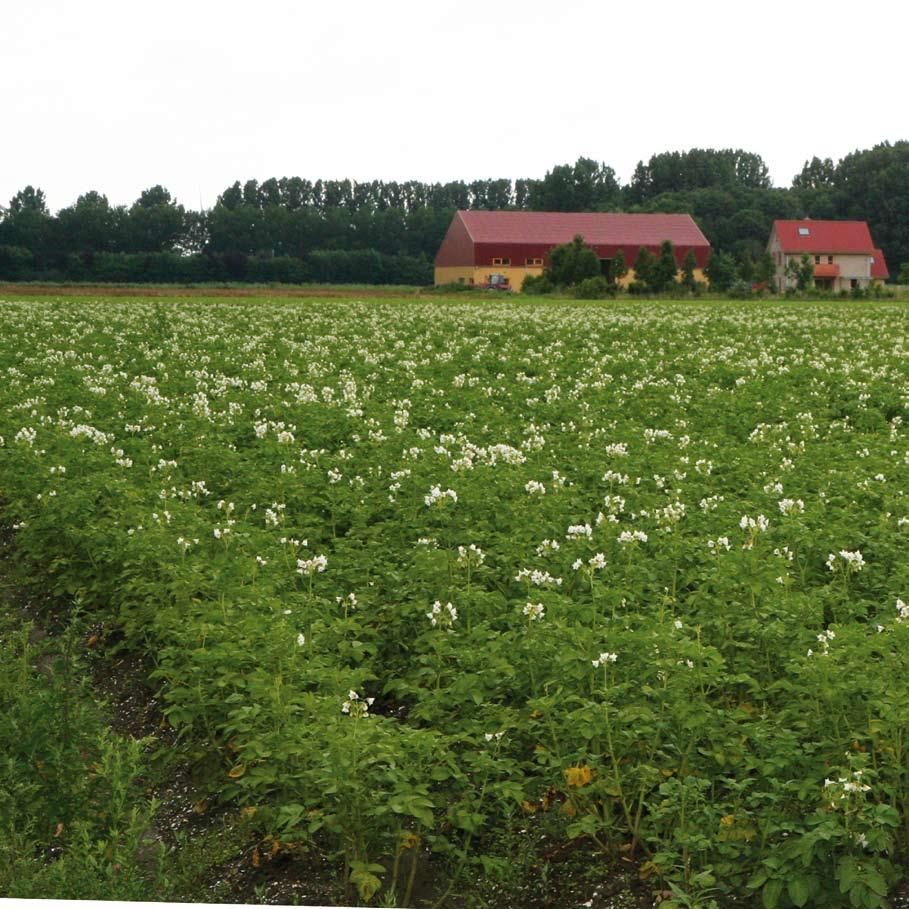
(534, 261)
(501, 260)
(804, 232)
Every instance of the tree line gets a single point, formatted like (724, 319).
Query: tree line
(291, 229)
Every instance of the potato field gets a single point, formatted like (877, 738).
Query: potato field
(452, 588)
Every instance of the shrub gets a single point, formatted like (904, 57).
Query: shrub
(739, 290)
(537, 284)
(571, 263)
(596, 288)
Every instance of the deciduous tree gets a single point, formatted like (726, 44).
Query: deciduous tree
(571, 263)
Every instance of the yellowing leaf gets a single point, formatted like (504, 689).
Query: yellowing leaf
(236, 772)
(578, 776)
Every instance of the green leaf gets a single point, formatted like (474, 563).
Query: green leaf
(875, 881)
(366, 883)
(756, 881)
(770, 895)
(799, 889)
(847, 872)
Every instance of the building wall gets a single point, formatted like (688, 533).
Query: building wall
(457, 249)
(479, 274)
(852, 266)
(518, 253)
(467, 274)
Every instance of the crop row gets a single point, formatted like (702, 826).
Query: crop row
(449, 577)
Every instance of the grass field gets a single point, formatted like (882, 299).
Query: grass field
(439, 592)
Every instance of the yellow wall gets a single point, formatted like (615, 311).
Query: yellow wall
(698, 276)
(452, 274)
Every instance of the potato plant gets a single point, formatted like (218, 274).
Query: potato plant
(425, 578)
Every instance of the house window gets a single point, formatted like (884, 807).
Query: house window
(804, 232)
(460, 280)
(534, 262)
(817, 260)
(500, 260)
(830, 260)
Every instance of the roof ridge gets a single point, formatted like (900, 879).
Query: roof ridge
(464, 222)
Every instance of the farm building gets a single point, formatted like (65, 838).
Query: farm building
(517, 243)
(842, 252)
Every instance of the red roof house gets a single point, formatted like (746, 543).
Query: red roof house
(517, 243)
(842, 252)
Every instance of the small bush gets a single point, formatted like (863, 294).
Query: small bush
(596, 288)
(537, 284)
(739, 290)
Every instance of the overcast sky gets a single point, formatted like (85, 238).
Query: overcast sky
(118, 96)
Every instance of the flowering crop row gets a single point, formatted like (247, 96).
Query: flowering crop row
(437, 574)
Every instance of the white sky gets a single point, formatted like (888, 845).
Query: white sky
(118, 95)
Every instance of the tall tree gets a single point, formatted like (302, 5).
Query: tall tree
(28, 200)
(697, 168)
(690, 263)
(721, 271)
(571, 263)
(91, 225)
(873, 186)
(29, 226)
(816, 174)
(156, 222)
(585, 185)
(618, 268)
(664, 270)
(643, 266)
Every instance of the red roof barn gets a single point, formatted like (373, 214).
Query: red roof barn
(517, 243)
